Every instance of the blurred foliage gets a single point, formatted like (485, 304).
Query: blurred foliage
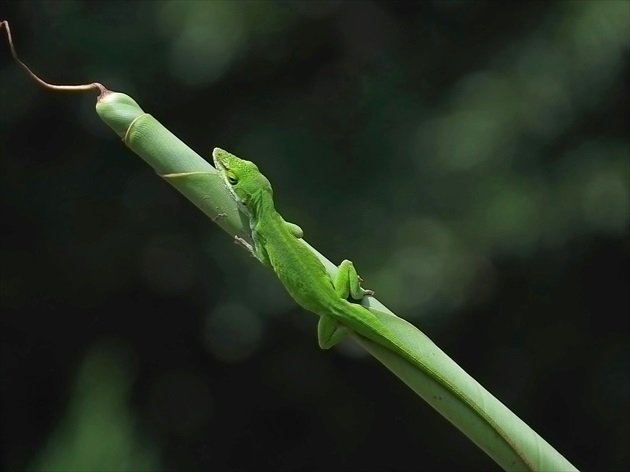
(97, 432)
(481, 147)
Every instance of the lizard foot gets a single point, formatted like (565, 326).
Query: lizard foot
(240, 241)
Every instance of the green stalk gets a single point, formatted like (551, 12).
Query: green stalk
(499, 432)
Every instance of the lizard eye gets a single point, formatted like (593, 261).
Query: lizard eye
(232, 179)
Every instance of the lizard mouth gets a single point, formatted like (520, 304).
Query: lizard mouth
(218, 158)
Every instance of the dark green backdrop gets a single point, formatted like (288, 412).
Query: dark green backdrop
(470, 157)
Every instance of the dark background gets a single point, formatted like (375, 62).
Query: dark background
(472, 158)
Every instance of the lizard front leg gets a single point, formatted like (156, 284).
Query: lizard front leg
(294, 229)
(256, 250)
(241, 242)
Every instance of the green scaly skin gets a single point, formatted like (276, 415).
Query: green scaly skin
(277, 245)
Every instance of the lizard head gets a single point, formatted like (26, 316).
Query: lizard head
(242, 178)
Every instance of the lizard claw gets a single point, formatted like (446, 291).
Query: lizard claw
(366, 292)
(241, 242)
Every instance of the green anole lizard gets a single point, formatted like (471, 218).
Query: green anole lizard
(276, 244)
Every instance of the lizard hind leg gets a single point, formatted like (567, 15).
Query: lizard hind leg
(347, 282)
(330, 332)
